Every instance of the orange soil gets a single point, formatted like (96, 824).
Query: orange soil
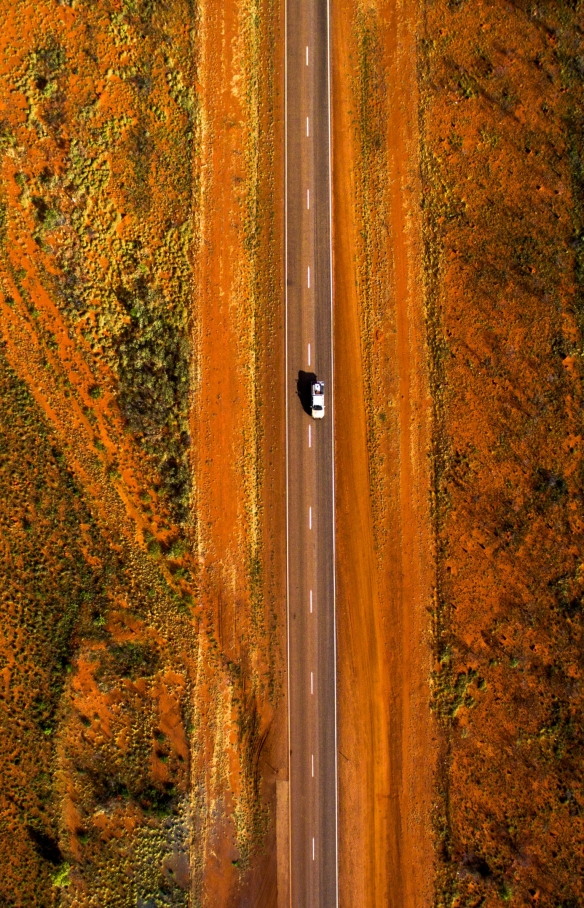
(106, 648)
(239, 453)
(98, 117)
(504, 186)
(386, 741)
(88, 742)
(63, 390)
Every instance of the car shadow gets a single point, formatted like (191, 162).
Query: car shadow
(304, 390)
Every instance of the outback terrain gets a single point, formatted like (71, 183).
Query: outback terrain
(502, 157)
(141, 649)
(143, 715)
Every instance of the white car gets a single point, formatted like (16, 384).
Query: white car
(317, 407)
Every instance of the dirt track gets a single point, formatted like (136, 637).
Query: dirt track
(239, 456)
(384, 546)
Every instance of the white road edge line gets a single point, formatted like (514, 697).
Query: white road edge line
(328, 37)
(286, 395)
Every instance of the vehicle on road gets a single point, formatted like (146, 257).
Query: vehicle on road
(317, 404)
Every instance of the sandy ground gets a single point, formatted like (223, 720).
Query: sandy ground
(239, 453)
(385, 574)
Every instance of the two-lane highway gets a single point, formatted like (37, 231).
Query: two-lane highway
(310, 461)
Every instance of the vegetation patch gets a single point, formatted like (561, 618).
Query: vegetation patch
(370, 121)
(501, 91)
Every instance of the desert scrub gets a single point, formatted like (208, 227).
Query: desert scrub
(251, 815)
(108, 198)
(96, 186)
(50, 586)
(258, 289)
(575, 132)
(501, 166)
(370, 120)
(130, 660)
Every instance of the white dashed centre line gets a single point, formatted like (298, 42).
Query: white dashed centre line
(309, 518)
(309, 277)
(313, 849)
(307, 126)
(308, 199)
(310, 436)
(307, 56)
(313, 766)
(312, 682)
(309, 354)
(311, 602)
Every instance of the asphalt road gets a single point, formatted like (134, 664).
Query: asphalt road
(310, 462)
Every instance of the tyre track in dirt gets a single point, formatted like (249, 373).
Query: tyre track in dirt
(238, 456)
(385, 559)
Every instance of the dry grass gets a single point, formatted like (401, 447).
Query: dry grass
(370, 118)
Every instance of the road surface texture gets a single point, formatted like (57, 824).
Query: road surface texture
(310, 461)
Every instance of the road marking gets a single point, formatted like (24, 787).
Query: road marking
(308, 199)
(307, 127)
(309, 277)
(312, 682)
(309, 354)
(287, 362)
(311, 602)
(313, 766)
(332, 412)
(309, 518)
(309, 436)
(307, 56)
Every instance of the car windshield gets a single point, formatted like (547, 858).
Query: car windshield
(317, 407)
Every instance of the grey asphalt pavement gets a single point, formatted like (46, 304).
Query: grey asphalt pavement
(310, 462)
